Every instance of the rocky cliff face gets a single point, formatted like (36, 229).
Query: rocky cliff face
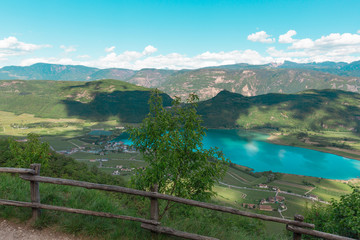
(208, 82)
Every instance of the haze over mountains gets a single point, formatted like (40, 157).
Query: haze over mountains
(248, 80)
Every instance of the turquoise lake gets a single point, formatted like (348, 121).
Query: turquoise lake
(249, 149)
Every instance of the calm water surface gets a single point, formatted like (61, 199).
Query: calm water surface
(250, 149)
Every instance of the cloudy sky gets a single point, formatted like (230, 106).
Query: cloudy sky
(177, 34)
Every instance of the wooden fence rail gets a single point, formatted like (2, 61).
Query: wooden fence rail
(297, 226)
(155, 195)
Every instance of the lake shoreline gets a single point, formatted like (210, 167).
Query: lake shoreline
(352, 154)
(277, 139)
(264, 151)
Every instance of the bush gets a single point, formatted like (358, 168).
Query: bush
(340, 217)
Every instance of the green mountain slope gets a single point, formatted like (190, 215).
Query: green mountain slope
(109, 99)
(310, 110)
(112, 73)
(96, 100)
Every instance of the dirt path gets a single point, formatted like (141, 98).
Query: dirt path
(15, 231)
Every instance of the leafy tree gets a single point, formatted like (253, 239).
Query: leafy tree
(340, 217)
(171, 142)
(33, 151)
(346, 214)
(5, 153)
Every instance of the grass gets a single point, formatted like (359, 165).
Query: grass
(182, 218)
(8, 118)
(58, 132)
(58, 143)
(291, 187)
(242, 174)
(295, 205)
(127, 160)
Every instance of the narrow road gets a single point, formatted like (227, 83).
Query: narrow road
(280, 212)
(135, 160)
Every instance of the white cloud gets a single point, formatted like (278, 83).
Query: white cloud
(332, 47)
(11, 46)
(53, 60)
(139, 60)
(181, 61)
(337, 39)
(261, 36)
(302, 43)
(110, 49)
(272, 51)
(358, 31)
(149, 50)
(124, 60)
(68, 49)
(332, 40)
(287, 37)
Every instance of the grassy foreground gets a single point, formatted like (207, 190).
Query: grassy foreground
(195, 220)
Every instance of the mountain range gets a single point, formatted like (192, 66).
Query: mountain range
(248, 80)
(113, 99)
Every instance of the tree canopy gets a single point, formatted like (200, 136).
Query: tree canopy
(171, 141)
(34, 151)
(340, 217)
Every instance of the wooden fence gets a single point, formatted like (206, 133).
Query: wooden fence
(297, 226)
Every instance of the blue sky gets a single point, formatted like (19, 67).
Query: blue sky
(177, 34)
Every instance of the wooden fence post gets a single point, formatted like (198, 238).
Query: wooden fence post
(35, 193)
(154, 209)
(299, 218)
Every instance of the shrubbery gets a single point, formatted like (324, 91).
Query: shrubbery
(340, 217)
(18, 154)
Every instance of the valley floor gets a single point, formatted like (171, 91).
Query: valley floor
(239, 188)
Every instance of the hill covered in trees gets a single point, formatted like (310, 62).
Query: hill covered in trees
(96, 100)
(311, 110)
(113, 99)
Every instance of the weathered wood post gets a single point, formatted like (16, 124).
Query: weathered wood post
(300, 218)
(154, 209)
(35, 193)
